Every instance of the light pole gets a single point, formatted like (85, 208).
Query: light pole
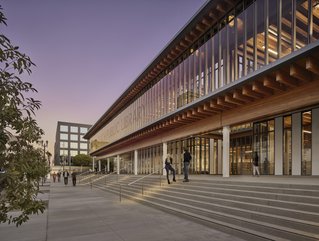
(44, 144)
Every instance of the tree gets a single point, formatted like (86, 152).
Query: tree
(21, 163)
(82, 160)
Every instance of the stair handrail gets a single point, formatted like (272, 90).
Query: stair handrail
(137, 180)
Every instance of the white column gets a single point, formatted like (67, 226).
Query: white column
(211, 159)
(99, 165)
(135, 161)
(296, 144)
(279, 146)
(164, 155)
(93, 164)
(315, 142)
(108, 164)
(118, 164)
(226, 140)
(220, 157)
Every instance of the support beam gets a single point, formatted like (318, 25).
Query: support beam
(257, 87)
(286, 79)
(273, 84)
(312, 65)
(300, 73)
(239, 96)
(247, 91)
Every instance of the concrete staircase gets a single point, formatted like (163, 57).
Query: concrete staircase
(250, 210)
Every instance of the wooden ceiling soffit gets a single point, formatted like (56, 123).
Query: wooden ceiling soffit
(230, 99)
(201, 27)
(312, 64)
(189, 38)
(300, 73)
(239, 96)
(192, 115)
(199, 112)
(261, 89)
(207, 22)
(213, 104)
(286, 79)
(271, 83)
(226, 105)
(247, 91)
(222, 8)
(179, 48)
(208, 108)
(183, 44)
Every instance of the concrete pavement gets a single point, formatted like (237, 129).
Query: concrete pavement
(80, 213)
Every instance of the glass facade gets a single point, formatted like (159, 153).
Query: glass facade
(249, 37)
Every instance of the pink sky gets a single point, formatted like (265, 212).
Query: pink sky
(88, 52)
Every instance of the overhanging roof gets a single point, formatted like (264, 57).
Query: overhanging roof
(206, 17)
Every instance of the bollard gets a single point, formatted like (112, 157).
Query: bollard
(142, 190)
(120, 193)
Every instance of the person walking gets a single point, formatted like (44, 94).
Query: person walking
(73, 178)
(187, 159)
(59, 176)
(255, 164)
(168, 167)
(66, 177)
(54, 176)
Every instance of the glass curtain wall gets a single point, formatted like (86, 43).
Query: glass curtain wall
(150, 160)
(306, 163)
(264, 145)
(250, 36)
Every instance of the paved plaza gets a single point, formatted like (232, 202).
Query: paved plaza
(80, 213)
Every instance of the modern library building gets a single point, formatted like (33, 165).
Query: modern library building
(240, 77)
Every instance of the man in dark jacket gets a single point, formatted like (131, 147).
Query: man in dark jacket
(187, 159)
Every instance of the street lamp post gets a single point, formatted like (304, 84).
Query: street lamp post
(44, 144)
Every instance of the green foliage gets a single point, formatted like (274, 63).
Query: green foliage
(82, 160)
(23, 164)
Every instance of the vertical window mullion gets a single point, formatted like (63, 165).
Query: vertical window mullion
(255, 36)
(310, 21)
(245, 44)
(293, 24)
(266, 31)
(279, 10)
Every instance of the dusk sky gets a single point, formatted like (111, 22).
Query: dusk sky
(87, 52)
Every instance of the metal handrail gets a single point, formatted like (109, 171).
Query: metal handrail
(145, 176)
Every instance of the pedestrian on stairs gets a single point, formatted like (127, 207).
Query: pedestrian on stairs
(168, 167)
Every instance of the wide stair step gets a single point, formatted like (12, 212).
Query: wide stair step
(252, 211)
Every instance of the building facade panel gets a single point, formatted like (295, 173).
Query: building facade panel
(254, 68)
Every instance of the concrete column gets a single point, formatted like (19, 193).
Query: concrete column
(219, 156)
(211, 157)
(99, 165)
(296, 144)
(315, 142)
(135, 161)
(226, 141)
(93, 164)
(164, 155)
(108, 164)
(118, 164)
(279, 140)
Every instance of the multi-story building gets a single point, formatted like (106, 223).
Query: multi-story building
(241, 77)
(69, 142)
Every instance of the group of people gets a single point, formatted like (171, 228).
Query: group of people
(168, 166)
(65, 174)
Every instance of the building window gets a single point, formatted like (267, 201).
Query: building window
(64, 144)
(74, 129)
(74, 137)
(63, 136)
(64, 128)
(74, 153)
(83, 146)
(74, 145)
(63, 152)
(83, 152)
(83, 130)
